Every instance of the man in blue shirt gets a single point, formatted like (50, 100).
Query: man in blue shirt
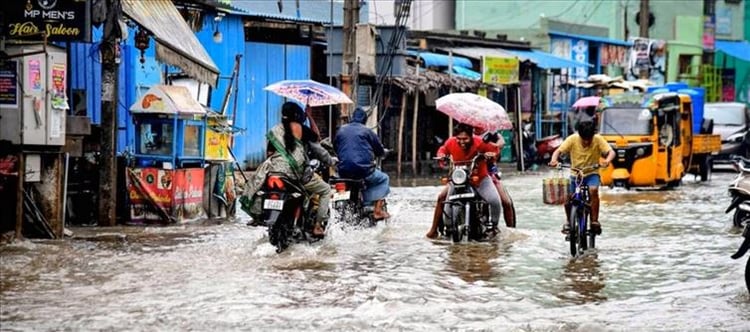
(356, 148)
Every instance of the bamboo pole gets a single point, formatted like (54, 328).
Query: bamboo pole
(401, 134)
(414, 124)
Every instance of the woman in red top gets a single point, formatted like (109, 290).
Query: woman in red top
(463, 147)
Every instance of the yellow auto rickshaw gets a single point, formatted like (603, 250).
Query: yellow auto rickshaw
(651, 135)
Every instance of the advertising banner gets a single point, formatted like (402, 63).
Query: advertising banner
(497, 70)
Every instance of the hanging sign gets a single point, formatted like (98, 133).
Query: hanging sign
(61, 20)
(497, 70)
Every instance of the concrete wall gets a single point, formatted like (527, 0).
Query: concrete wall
(424, 15)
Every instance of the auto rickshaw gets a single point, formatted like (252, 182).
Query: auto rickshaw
(651, 135)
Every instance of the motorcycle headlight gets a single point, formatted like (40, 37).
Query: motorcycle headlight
(459, 176)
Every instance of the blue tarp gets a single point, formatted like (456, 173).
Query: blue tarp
(546, 60)
(602, 40)
(468, 73)
(737, 49)
(441, 60)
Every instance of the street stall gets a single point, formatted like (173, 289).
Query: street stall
(166, 183)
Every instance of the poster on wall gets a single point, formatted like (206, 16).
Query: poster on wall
(727, 84)
(35, 74)
(188, 194)
(496, 70)
(59, 99)
(648, 58)
(9, 83)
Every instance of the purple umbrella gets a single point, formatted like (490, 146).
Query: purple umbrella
(309, 92)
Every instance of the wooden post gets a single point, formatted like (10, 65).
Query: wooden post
(110, 99)
(414, 133)
(401, 134)
(19, 191)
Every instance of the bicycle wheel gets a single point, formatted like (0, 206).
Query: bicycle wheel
(583, 222)
(573, 232)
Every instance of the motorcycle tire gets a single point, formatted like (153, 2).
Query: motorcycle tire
(455, 225)
(277, 236)
(747, 274)
(740, 218)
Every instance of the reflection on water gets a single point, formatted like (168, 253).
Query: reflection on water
(474, 261)
(583, 278)
(662, 263)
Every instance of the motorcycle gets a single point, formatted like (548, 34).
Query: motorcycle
(470, 213)
(536, 152)
(740, 191)
(288, 210)
(347, 200)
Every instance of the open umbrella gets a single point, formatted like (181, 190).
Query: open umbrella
(474, 110)
(584, 102)
(309, 92)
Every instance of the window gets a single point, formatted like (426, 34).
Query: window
(192, 141)
(684, 62)
(156, 138)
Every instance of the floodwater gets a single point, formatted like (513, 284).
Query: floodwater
(662, 264)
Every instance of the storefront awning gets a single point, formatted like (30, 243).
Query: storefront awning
(176, 44)
(547, 60)
(465, 72)
(737, 49)
(479, 52)
(440, 60)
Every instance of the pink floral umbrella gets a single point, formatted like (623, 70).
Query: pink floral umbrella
(309, 93)
(584, 102)
(475, 110)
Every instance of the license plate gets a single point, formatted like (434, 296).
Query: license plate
(465, 195)
(273, 204)
(341, 196)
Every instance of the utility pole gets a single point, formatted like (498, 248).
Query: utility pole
(643, 24)
(643, 19)
(110, 53)
(351, 18)
(709, 31)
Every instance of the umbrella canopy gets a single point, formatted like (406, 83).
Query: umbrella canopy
(309, 92)
(592, 101)
(475, 110)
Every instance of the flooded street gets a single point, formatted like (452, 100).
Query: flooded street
(662, 263)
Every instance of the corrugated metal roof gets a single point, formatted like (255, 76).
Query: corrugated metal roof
(591, 38)
(440, 60)
(478, 52)
(548, 60)
(176, 43)
(311, 11)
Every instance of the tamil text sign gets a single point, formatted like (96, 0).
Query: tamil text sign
(497, 70)
(61, 20)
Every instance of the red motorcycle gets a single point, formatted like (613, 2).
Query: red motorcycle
(538, 152)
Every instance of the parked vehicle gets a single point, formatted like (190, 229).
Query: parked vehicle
(537, 152)
(465, 212)
(652, 137)
(740, 191)
(288, 210)
(731, 121)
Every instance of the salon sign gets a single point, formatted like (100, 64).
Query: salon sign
(60, 20)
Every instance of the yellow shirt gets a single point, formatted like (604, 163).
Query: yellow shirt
(584, 156)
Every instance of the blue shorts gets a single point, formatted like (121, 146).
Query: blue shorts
(592, 180)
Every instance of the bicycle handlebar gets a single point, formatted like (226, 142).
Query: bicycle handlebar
(580, 170)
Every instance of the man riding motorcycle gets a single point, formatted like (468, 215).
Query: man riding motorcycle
(356, 149)
(288, 148)
(463, 147)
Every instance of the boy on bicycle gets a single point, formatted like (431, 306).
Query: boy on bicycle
(585, 149)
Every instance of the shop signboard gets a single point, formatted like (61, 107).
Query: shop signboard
(61, 20)
(188, 194)
(9, 83)
(497, 70)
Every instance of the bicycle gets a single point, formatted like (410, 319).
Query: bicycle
(580, 212)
